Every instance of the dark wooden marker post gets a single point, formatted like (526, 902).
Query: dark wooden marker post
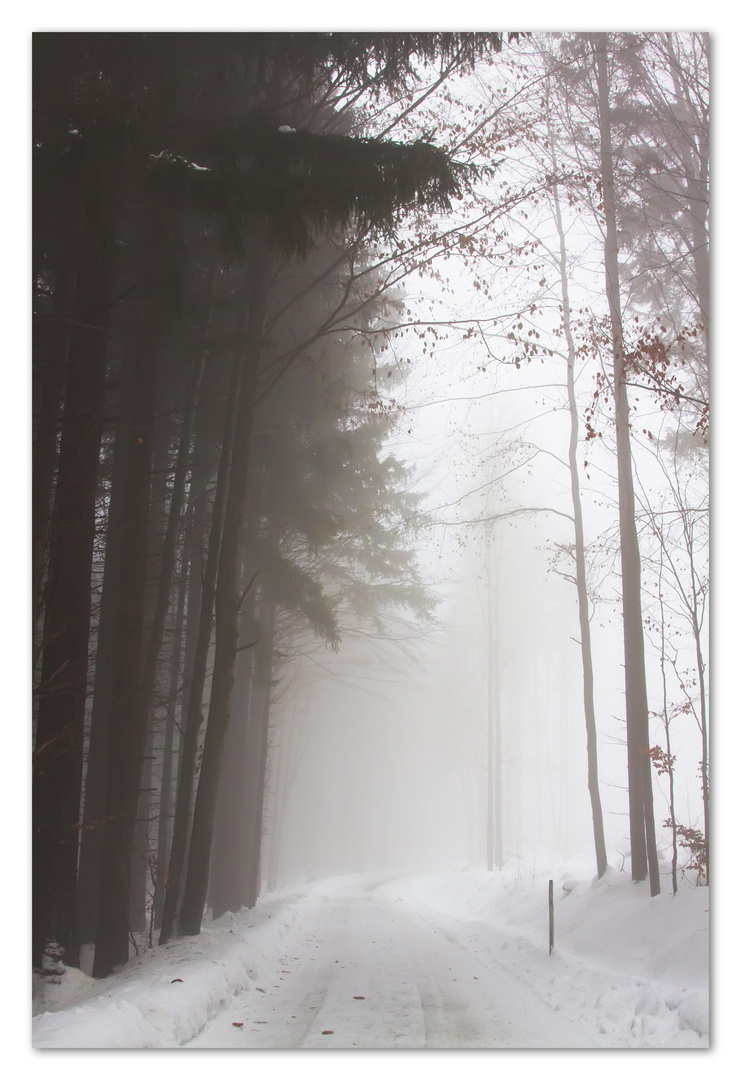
(550, 917)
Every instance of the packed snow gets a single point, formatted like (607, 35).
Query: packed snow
(438, 960)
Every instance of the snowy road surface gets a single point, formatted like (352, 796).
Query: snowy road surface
(369, 973)
(458, 959)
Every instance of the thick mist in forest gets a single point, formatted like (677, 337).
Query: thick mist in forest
(379, 752)
(370, 487)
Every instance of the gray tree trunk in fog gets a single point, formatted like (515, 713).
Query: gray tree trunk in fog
(579, 552)
(255, 781)
(226, 890)
(667, 733)
(286, 763)
(494, 771)
(640, 792)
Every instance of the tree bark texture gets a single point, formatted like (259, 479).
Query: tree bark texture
(64, 669)
(96, 773)
(129, 713)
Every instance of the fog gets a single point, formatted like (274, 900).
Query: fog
(379, 752)
(370, 483)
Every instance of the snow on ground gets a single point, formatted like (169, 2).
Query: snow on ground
(455, 959)
(634, 968)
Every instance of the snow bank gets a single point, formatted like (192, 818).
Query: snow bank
(634, 966)
(165, 997)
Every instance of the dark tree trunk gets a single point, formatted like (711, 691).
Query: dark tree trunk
(227, 876)
(227, 606)
(156, 570)
(166, 568)
(96, 773)
(138, 896)
(52, 365)
(256, 756)
(640, 792)
(129, 714)
(164, 820)
(195, 689)
(63, 689)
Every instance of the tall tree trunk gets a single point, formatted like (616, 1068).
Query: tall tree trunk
(667, 732)
(169, 551)
(164, 822)
(96, 773)
(598, 831)
(138, 894)
(63, 690)
(227, 607)
(640, 792)
(494, 769)
(255, 780)
(228, 860)
(129, 714)
(47, 424)
(157, 570)
(194, 696)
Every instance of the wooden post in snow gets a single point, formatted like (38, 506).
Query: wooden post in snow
(550, 917)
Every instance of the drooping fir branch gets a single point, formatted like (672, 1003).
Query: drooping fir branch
(298, 184)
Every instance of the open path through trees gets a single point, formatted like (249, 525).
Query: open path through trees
(368, 971)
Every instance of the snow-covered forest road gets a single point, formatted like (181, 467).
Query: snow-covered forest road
(425, 961)
(365, 972)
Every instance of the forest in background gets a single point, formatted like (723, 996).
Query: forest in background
(229, 235)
